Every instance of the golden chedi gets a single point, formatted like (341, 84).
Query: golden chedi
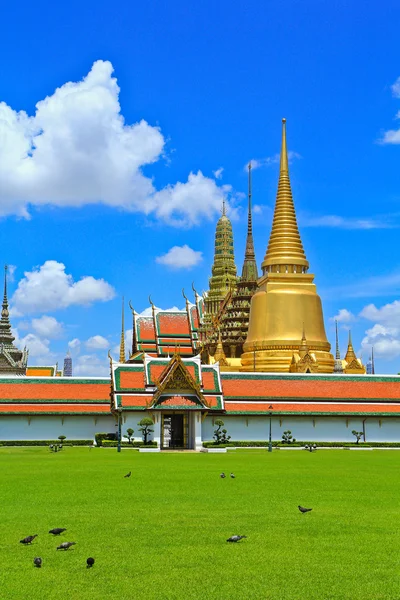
(286, 303)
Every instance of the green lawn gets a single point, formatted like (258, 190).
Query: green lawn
(162, 533)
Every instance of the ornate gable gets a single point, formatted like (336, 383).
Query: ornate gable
(176, 381)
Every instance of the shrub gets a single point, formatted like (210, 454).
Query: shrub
(44, 442)
(62, 438)
(220, 435)
(145, 425)
(358, 435)
(114, 444)
(287, 437)
(129, 434)
(99, 437)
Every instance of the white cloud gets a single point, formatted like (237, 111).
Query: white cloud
(185, 204)
(49, 288)
(384, 222)
(91, 365)
(392, 136)
(35, 345)
(47, 327)
(77, 149)
(97, 342)
(258, 209)
(384, 335)
(385, 341)
(180, 257)
(343, 316)
(147, 312)
(74, 344)
(218, 173)
(257, 163)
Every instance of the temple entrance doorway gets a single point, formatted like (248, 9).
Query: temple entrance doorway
(175, 431)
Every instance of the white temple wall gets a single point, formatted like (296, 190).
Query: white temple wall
(49, 427)
(131, 420)
(319, 429)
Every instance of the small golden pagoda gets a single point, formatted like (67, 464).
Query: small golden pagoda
(352, 364)
(286, 299)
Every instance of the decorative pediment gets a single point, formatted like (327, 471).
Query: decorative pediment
(306, 364)
(176, 381)
(178, 401)
(355, 366)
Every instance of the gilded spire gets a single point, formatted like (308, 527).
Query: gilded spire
(249, 271)
(303, 350)
(337, 343)
(350, 354)
(122, 343)
(285, 253)
(223, 270)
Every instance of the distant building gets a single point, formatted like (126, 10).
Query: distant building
(371, 364)
(68, 365)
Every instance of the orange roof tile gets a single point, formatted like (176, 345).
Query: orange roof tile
(131, 379)
(22, 389)
(136, 400)
(311, 408)
(173, 324)
(312, 388)
(59, 408)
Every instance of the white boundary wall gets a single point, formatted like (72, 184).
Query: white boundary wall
(319, 429)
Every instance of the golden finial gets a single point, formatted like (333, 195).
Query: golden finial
(350, 354)
(285, 253)
(183, 294)
(122, 343)
(223, 208)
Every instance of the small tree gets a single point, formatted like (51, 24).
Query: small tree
(358, 435)
(220, 435)
(145, 425)
(129, 434)
(287, 437)
(62, 438)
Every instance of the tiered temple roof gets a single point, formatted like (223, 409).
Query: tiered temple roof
(222, 282)
(235, 321)
(12, 360)
(166, 331)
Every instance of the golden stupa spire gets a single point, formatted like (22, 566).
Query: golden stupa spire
(122, 343)
(350, 354)
(285, 253)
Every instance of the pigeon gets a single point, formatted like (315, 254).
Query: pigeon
(65, 545)
(236, 538)
(57, 530)
(222, 475)
(232, 476)
(128, 474)
(37, 562)
(89, 562)
(304, 510)
(29, 539)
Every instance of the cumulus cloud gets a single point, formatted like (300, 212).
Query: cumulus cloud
(74, 344)
(384, 335)
(91, 365)
(48, 327)
(36, 345)
(97, 342)
(77, 149)
(180, 257)
(392, 136)
(343, 316)
(147, 312)
(49, 288)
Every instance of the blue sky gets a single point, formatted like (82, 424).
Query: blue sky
(158, 108)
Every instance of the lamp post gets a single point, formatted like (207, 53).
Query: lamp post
(119, 428)
(270, 428)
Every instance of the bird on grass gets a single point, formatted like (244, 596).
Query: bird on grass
(236, 538)
(232, 476)
(57, 530)
(304, 510)
(29, 539)
(37, 562)
(222, 475)
(65, 545)
(128, 474)
(89, 562)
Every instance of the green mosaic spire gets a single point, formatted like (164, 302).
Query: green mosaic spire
(223, 271)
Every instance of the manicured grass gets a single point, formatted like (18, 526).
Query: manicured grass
(162, 533)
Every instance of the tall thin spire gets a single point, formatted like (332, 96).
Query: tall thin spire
(285, 253)
(337, 342)
(373, 360)
(122, 344)
(223, 208)
(350, 354)
(249, 271)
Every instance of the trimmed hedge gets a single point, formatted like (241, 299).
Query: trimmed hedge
(258, 444)
(114, 444)
(99, 437)
(45, 442)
